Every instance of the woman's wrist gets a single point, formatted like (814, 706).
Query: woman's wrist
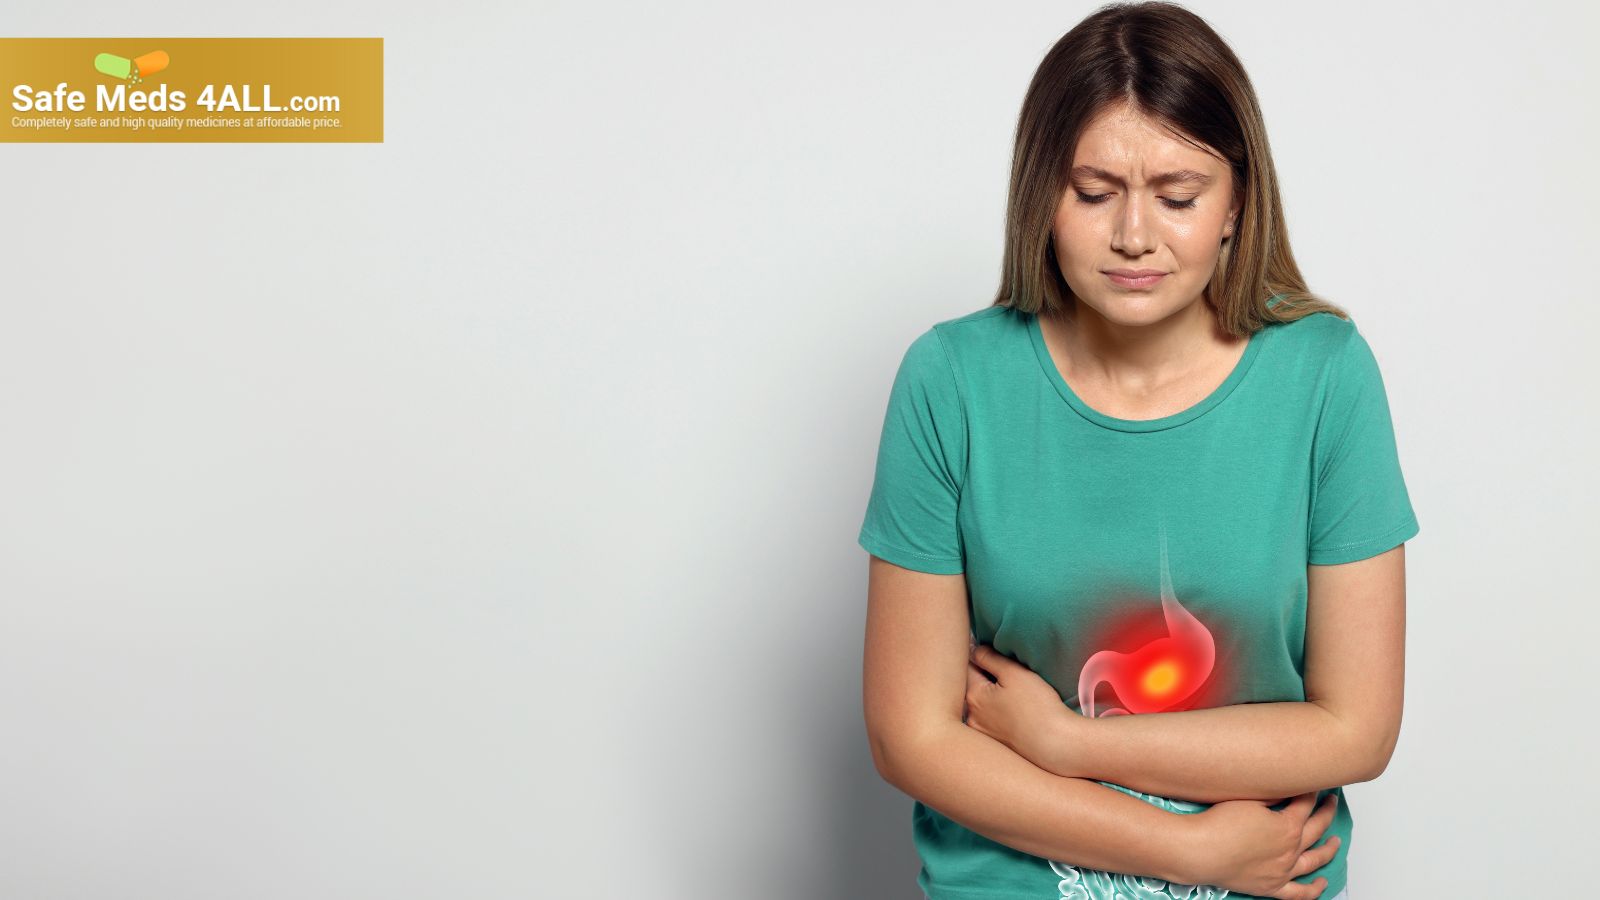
(1071, 746)
(1193, 854)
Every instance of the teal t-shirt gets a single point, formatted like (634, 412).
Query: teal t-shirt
(1097, 549)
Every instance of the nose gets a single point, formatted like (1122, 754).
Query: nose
(1130, 232)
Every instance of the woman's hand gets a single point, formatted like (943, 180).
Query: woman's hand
(1245, 847)
(1021, 710)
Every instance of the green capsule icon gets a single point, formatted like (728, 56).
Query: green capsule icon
(113, 65)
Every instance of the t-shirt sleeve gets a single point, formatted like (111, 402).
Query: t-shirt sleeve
(911, 512)
(1359, 503)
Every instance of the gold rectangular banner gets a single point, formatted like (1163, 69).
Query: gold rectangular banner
(160, 90)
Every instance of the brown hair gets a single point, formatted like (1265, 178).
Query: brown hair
(1168, 64)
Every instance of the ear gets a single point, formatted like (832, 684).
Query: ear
(1233, 216)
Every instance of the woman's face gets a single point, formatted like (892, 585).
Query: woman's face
(1134, 219)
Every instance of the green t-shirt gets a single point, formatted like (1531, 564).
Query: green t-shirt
(1086, 539)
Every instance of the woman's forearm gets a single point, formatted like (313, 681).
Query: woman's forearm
(987, 787)
(1254, 751)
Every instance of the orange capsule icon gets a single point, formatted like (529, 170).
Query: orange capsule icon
(150, 63)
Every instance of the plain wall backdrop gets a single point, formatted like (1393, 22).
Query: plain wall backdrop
(474, 514)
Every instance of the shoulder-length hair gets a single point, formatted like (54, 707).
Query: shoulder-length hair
(1169, 65)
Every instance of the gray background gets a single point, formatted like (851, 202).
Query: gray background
(473, 514)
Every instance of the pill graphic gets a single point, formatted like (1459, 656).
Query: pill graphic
(150, 63)
(115, 66)
(134, 69)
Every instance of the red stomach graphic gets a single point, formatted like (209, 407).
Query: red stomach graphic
(1159, 675)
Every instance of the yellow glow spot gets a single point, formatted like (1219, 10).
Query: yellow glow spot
(1160, 678)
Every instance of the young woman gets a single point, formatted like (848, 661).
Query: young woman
(1157, 485)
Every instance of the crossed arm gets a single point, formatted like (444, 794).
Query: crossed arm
(1343, 733)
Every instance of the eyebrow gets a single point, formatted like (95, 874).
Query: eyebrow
(1182, 176)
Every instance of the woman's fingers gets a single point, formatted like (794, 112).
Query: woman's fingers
(1314, 821)
(990, 661)
(1294, 890)
(1316, 857)
(1302, 803)
(977, 681)
(1319, 821)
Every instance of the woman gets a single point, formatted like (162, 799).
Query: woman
(1157, 483)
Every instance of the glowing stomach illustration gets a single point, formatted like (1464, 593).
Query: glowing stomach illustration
(1158, 676)
(1162, 673)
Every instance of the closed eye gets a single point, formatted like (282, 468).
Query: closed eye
(1100, 198)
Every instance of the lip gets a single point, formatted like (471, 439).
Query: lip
(1135, 278)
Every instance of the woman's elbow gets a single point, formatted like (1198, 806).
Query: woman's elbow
(1382, 750)
(898, 752)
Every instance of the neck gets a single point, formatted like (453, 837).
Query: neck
(1139, 358)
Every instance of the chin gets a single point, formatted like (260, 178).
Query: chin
(1133, 308)
(1148, 306)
